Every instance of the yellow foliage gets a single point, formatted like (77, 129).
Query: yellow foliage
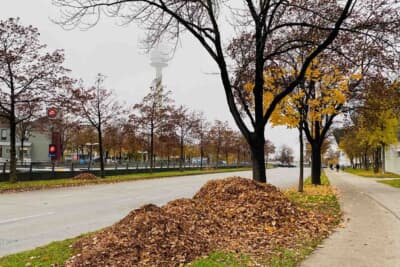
(248, 87)
(331, 90)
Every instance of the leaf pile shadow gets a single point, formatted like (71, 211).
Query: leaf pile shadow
(233, 214)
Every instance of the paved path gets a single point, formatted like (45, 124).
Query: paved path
(371, 236)
(36, 218)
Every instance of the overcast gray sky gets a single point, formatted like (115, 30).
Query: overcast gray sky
(116, 52)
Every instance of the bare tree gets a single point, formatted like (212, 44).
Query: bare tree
(227, 143)
(99, 107)
(152, 114)
(216, 138)
(185, 123)
(31, 113)
(200, 133)
(132, 138)
(29, 76)
(67, 126)
(114, 139)
(168, 140)
(24, 131)
(242, 149)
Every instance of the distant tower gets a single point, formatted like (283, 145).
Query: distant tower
(159, 60)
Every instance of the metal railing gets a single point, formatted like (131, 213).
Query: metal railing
(61, 170)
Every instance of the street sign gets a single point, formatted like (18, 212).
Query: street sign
(52, 113)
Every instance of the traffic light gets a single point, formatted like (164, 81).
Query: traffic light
(52, 150)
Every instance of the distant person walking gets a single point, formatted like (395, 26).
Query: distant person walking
(337, 167)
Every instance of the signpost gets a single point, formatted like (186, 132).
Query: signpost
(52, 151)
(55, 146)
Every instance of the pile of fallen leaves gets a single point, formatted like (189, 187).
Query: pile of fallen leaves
(233, 214)
(85, 176)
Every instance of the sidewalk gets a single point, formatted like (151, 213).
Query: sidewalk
(371, 236)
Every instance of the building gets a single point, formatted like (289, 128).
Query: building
(35, 146)
(343, 159)
(392, 158)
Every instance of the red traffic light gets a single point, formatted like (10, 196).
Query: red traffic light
(52, 149)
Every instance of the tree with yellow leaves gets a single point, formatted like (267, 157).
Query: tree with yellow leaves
(313, 106)
(374, 124)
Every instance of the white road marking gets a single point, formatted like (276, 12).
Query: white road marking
(26, 217)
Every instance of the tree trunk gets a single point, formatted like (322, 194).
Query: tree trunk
(316, 164)
(383, 159)
(257, 156)
(366, 164)
(217, 157)
(201, 156)
(13, 128)
(13, 155)
(151, 146)
(21, 151)
(181, 153)
(301, 174)
(101, 152)
(91, 153)
(376, 160)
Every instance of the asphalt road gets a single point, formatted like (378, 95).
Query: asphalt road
(32, 219)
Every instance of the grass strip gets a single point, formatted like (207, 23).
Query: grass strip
(6, 187)
(223, 259)
(320, 199)
(53, 254)
(324, 180)
(393, 183)
(370, 173)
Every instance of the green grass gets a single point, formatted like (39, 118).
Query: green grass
(371, 174)
(45, 184)
(317, 198)
(53, 254)
(321, 198)
(222, 259)
(324, 180)
(318, 202)
(291, 258)
(287, 258)
(394, 182)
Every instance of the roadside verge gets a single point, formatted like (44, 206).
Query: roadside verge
(7, 187)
